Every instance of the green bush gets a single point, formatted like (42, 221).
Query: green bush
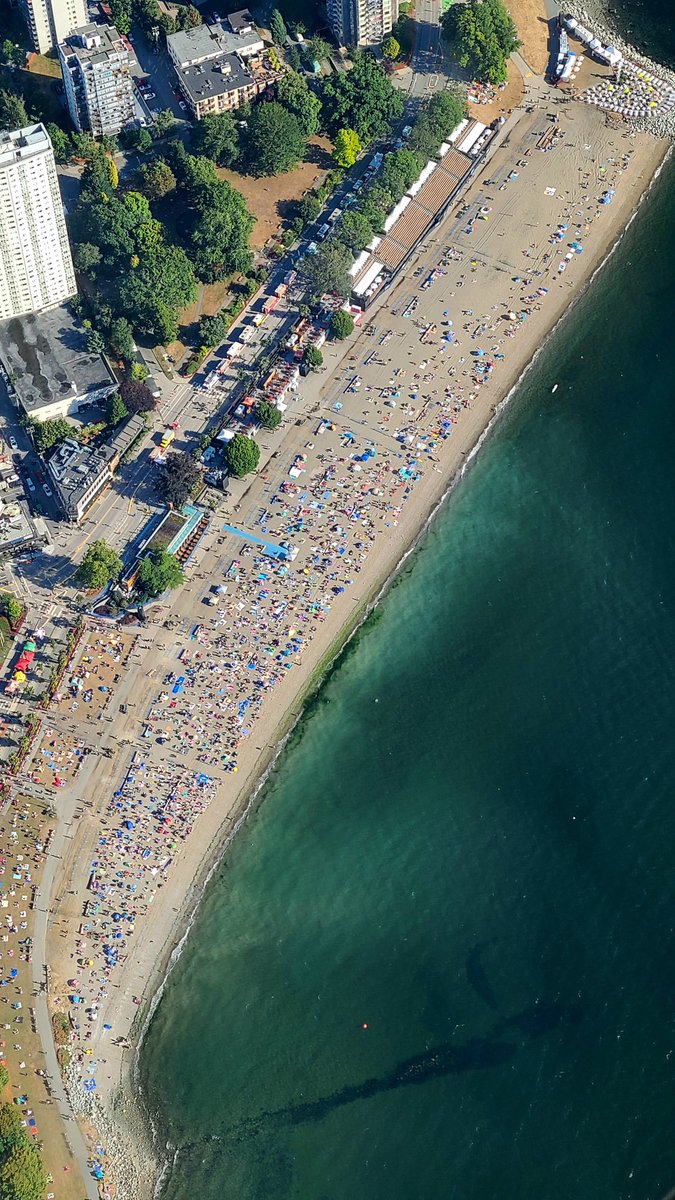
(242, 455)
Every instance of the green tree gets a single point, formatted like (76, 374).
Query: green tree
(100, 566)
(178, 478)
(219, 234)
(212, 330)
(347, 148)
(84, 146)
(137, 397)
(363, 99)
(138, 372)
(22, 1176)
(98, 181)
(328, 270)
(95, 343)
(12, 54)
(86, 257)
(163, 123)
(274, 141)
(217, 137)
(117, 410)
(11, 1131)
(355, 231)
(294, 93)
(144, 141)
(312, 358)
(61, 143)
(278, 28)
(268, 414)
(49, 433)
(309, 209)
(157, 179)
(242, 455)
(12, 609)
(483, 35)
(13, 113)
(121, 15)
(341, 325)
(436, 123)
(399, 172)
(121, 338)
(391, 48)
(158, 572)
(318, 49)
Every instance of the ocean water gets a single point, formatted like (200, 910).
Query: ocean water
(438, 961)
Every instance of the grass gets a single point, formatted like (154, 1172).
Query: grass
(45, 64)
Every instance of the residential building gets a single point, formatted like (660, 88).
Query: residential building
(51, 21)
(96, 66)
(362, 22)
(219, 69)
(48, 368)
(82, 473)
(36, 267)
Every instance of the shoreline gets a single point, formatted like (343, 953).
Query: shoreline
(119, 1113)
(251, 794)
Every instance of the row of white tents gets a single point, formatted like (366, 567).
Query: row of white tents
(608, 54)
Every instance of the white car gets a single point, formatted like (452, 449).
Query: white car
(182, 104)
(29, 484)
(13, 443)
(46, 489)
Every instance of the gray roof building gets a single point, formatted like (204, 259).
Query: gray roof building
(82, 473)
(50, 369)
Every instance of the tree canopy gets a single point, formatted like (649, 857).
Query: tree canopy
(49, 433)
(347, 148)
(274, 140)
(217, 137)
(178, 478)
(219, 228)
(328, 269)
(100, 566)
(295, 94)
(391, 48)
(156, 179)
(312, 358)
(61, 143)
(442, 115)
(213, 330)
(242, 455)
(483, 35)
(268, 414)
(341, 325)
(117, 410)
(136, 396)
(278, 28)
(22, 1176)
(13, 114)
(158, 572)
(362, 99)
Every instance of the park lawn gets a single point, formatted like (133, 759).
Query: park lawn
(269, 200)
(45, 64)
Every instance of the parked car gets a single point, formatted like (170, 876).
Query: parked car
(149, 96)
(182, 105)
(29, 484)
(47, 490)
(13, 442)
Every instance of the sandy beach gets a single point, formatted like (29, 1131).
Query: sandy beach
(209, 692)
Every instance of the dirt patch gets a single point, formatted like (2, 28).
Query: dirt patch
(496, 102)
(42, 64)
(267, 199)
(532, 24)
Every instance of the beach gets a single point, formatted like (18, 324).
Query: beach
(351, 481)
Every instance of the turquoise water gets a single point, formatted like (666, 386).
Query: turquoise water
(468, 845)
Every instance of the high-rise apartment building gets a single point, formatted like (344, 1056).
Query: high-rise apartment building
(362, 22)
(51, 21)
(96, 66)
(36, 267)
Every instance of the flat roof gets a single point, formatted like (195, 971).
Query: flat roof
(19, 144)
(209, 79)
(16, 525)
(209, 41)
(109, 42)
(46, 354)
(75, 467)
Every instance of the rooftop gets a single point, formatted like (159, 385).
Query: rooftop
(46, 356)
(240, 22)
(93, 43)
(216, 77)
(18, 528)
(75, 467)
(20, 144)
(210, 41)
